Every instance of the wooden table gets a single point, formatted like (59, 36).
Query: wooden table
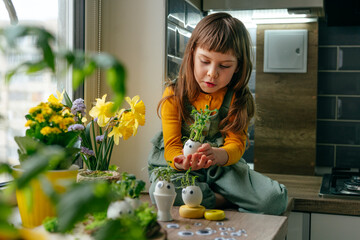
(252, 226)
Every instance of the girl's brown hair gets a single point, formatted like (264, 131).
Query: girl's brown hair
(218, 32)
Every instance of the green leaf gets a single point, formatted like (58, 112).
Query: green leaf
(68, 101)
(78, 77)
(81, 199)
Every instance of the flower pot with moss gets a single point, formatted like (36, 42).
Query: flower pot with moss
(106, 127)
(200, 125)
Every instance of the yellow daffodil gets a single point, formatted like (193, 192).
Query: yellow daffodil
(121, 131)
(138, 109)
(102, 111)
(54, 100)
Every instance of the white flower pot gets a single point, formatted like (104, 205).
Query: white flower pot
(164, 195)
(190, 147)
(192, 196)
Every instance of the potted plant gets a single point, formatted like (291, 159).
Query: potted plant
(192, 197)
(201, 123)
(164, 192)
(82, 65)
(102, 132)
(47, 124)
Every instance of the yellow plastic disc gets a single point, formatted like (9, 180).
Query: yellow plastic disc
(191, 212)
(214, 215)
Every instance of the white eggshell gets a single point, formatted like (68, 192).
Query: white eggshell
(192, 196)
(164, 188)
(118, 209)
(191, 147)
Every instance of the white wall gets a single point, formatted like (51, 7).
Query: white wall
(134, 31)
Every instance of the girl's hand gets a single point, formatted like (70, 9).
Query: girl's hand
(217, 156)
(182, 163)
(199, 161)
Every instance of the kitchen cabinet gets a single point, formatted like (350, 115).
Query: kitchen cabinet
(316, 226)
(298, 226)
(334, 227)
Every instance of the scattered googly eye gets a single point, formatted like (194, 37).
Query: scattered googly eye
(220, 223)
(174, 225)
(222, 229)
(224, 233)
(197, 224)
(204, 232)
(219, 238)
(231, 229)
(160, 184)
(236, 234)
(185, 233)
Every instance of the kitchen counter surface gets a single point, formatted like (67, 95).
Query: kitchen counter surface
(303, 192)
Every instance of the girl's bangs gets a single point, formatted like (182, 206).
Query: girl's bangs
(220, 40)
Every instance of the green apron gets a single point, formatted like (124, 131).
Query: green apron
(250, 191)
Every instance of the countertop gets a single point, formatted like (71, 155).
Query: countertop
(303, 192)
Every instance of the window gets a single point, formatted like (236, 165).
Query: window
(25, 91)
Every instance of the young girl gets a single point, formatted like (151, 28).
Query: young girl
(215, 71)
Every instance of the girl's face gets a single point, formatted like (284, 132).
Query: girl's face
(213, 70)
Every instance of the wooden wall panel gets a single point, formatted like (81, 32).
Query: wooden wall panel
(285, 127)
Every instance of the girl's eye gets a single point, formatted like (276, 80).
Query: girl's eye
(222, 66)
(205, 62)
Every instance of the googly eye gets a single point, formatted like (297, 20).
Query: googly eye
(190, 146)
(160, 184)
(130, 211)
(191, 192)
(184, 191)
(120, 212)
(168, 186)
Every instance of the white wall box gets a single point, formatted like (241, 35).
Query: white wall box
(285, 51)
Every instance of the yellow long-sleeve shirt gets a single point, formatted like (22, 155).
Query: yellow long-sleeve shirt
(234, 143)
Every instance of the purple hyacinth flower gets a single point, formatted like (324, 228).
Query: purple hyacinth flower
(78, 107)
(76, 127)
(100, 138)
(87, 151)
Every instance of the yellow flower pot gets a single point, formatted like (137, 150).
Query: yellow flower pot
(41, 207)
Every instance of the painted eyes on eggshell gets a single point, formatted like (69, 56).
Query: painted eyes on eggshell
(189, 145)
(128, 212)
(190, 192)
(160, 184)
(168, 186)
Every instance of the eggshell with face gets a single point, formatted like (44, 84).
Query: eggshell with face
(192, 196)
(164, 188)
(118, 209)
(190, 147)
